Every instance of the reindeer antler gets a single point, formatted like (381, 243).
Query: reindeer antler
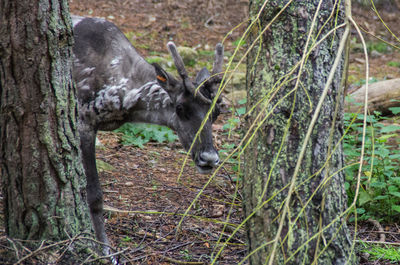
(216, 73)
(219, 59)
(180, 67)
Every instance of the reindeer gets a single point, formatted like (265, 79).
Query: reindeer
(116, 85)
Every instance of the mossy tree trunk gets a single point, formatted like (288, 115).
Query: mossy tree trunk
(42, 176)
(314, 230)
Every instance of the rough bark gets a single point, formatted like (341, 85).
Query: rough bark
(269, 164)
(381, 96)
(41, 171)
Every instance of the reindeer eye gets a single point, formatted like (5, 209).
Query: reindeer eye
(184, 112)
(179, 110)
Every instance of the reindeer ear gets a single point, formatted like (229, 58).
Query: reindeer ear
(202, 76)
(166, 81)
(161, 75)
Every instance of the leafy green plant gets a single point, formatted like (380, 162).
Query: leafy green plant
(186, 254)
(379, 195)
(234, 120)
(126, 239)
(225, 150)
(395, 110)
(239, 43)
(231, 123)
(233, 130)
(138, 134)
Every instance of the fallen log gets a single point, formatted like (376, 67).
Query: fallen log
(382, 95)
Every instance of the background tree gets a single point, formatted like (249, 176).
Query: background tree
(296, 200)
(42, 177)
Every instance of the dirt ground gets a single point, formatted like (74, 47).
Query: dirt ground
(379, 62)
(188, 23)
(142, 195)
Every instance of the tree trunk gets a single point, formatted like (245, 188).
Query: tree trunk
(314, 230)
(41, 171)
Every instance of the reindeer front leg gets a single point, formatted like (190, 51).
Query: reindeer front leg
(93, 187)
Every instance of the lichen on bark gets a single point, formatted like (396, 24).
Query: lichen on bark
(41, 171)
(272, 155)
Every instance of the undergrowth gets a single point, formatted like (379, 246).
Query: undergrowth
(233, 128)
(138, 134)
(379, 196)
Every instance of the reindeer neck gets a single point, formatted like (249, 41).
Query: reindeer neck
(117, 104)
(150, 104)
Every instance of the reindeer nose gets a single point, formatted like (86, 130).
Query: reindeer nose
(209, 158)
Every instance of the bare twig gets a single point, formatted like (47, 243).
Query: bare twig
(41, 248)
(66, 244)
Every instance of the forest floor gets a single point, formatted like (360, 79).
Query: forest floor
(144, 200)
